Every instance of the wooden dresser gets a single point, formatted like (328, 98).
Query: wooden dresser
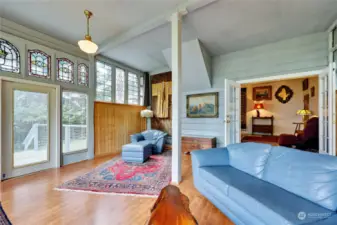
(190, 143)
(263, 128)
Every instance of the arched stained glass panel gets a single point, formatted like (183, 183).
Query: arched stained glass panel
(9, 57)
(83, 74)
(39, 63)
(65, 70)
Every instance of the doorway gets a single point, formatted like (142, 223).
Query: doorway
(232, 107)
(29, 128)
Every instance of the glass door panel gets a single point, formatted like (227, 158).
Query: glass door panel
(30, 128)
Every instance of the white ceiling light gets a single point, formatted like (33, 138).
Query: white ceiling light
(87, 45)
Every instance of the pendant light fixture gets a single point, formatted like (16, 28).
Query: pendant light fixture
(87, 45)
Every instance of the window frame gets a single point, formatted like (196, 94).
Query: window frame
(86, 84)
(58, 60)
(15, 50)
(112, 83)
(138, 87)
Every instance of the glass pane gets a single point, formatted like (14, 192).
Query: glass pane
(83, 74)
(334, 37)
(120, 85)
(9, 57)
(103, 82)
(38, 64)
(65, 70)
(74, 122)
(30, 128)
(133, 89)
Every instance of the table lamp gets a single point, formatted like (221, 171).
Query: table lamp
(258, 106)
(304, 113)
(148, 114)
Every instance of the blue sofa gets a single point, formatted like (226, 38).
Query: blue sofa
(154, 137)
(257, 184)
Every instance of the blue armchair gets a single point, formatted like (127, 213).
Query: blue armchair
(154, 137)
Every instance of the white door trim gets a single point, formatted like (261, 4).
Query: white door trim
(283, 76)
(57, 113)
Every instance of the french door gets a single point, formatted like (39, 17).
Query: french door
(29, 133)
(232, 133)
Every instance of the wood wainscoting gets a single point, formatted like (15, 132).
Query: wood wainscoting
(113, 125)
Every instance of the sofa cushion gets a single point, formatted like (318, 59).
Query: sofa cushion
(153, 134)
(257, 196)
(249, 157)
(309, 175)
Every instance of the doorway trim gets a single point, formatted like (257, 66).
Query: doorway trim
(283, 76)
(57, 113)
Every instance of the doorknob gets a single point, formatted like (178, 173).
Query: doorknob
(227, 120)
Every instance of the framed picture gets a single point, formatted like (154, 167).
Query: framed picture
(202, 105)
(305, 84)
(262, 93)
(306, 101)
(312, 91)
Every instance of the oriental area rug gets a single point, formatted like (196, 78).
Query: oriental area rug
(125, 178)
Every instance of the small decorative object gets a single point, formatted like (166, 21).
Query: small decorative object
(306, 101)
(262, 93)
(148, 114)
(305, 84)
(312, 90)
(284, 94)
(202, 105)
(304, 113)
(258, 106)
(87, 45)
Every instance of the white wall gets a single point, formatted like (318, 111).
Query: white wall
(299, 54)
(284, 114)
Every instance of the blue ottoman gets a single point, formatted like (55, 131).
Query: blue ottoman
(136, 152)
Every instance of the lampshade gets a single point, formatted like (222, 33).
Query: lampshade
(258, 106)
(303, 112)
(88, 46)
(146, 113)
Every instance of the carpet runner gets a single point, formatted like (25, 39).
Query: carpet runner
(3, 217)
(119, 177)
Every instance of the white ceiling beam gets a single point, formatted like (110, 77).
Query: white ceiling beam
(188, 6)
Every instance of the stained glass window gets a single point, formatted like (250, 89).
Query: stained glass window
(103, 82)
(83, 74)
(120, 85)
(133, 89)
(38, 63)
(65, 70)
(9, 57)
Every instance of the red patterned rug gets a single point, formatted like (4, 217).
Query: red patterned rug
(119, 177)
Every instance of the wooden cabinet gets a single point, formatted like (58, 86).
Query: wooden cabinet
(263, 128)
(191, 143)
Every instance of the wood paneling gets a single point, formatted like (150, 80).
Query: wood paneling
(113, 124)
(32, 200)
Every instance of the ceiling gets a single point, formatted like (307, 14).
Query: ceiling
(223, 26)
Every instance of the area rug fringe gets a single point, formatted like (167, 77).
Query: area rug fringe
(106, 193)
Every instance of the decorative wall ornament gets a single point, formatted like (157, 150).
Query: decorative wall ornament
(305, 84)
(9, 57)
(312, 90)
(262, 93)
(284, 94)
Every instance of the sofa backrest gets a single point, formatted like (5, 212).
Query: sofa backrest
(249, 157)
(153, 134)
(310, 175)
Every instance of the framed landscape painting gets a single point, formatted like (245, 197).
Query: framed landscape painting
(262, 93)
(202, 105)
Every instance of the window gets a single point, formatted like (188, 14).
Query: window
(120, 85)
(142, 90)
(9, 57)
(103, 82)
(65, 70)
(38, 64)
(133, 95)
(83, 74)
(74, 121)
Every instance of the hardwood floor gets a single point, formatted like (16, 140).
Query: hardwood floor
(31, 200)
